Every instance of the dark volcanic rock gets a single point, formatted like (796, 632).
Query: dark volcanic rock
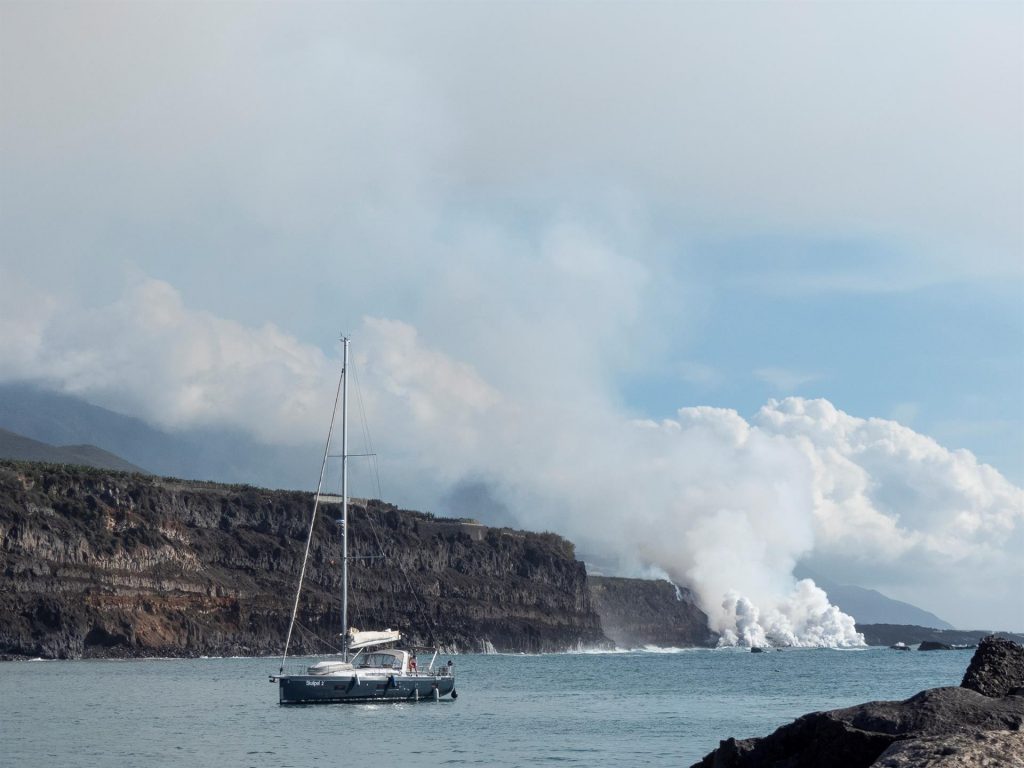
(99, 563)
(890, 634)
(812, 741)
(931, 645)
(996, 669)
(639, 612)
(856, 737)
(984, 749)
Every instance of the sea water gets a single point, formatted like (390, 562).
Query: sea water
(620, 709)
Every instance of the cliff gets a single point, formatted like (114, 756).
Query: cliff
(639, 612)
(98, 563)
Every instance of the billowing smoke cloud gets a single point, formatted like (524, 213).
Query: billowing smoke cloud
(723, 505)
(532, 241)
(148, 355)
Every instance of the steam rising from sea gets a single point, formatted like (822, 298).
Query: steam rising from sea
(716, 503)
(723, 506)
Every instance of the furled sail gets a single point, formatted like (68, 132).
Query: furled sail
(357, 639)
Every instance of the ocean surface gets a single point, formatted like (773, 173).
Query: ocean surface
(578, 709)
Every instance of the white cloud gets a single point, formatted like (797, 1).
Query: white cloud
(943, 502)
(895, 123)
(147, 354)
(897, 508)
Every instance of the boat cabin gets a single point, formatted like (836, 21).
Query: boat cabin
(386, 662)
(391, 660)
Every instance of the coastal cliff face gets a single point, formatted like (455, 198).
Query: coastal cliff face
(95, 563)
(640, 612)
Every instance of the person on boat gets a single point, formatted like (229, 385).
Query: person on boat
(412, 664)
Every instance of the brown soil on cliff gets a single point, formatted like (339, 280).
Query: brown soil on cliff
(99, 563)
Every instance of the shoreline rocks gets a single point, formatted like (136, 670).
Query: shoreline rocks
(932, 645)
(908, 634)
(996, 669)
(1004, 749)
(962, 726)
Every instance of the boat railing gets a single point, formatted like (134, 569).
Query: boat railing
(303, 670)
(294, 669)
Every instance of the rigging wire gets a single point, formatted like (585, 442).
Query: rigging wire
(371, 457)
(312, 633)
(312, 522)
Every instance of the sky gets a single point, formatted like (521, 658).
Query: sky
(710, 288)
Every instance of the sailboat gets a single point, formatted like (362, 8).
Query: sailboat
(371, 668)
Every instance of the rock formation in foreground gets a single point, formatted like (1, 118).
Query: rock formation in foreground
(997, 669)
(639, 612)
(98, 563)
(977, 724)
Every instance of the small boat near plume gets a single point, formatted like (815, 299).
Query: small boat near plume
(370, 668)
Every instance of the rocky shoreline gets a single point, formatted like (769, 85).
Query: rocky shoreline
(977, 724)
(927, 637)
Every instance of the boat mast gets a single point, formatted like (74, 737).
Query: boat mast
(344, 500)
(316, 506)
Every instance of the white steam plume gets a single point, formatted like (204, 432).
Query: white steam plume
(725, 506)
(431, 172)
(721, 505)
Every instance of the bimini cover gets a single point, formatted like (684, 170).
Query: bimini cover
(357, 639)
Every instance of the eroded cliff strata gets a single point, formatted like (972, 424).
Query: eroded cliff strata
(642, 612)
(98, 563)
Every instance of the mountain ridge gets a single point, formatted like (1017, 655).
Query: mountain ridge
(21, 448)
(31, 410)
